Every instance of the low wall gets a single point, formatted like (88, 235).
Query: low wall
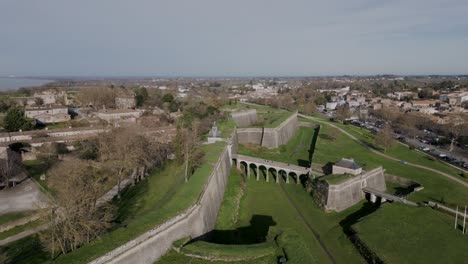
(270, 137)
(193, 222)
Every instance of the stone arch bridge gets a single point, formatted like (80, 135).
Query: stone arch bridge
(274, 166)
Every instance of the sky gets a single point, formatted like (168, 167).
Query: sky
(232, 38)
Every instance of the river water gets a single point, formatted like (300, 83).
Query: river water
(15, 83)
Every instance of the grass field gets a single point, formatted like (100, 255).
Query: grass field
(403, 234)
(162, 196)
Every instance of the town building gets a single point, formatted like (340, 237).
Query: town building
(48, 114)
(125, 100)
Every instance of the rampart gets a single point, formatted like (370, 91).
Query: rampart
(245, 118)
(195, 221)
(338, 197)
(270, 137)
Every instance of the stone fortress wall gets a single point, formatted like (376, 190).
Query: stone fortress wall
(196, 221)
(245, 118)
(338, 197)
(270, 137)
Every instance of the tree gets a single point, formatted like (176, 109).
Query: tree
(125, 149)
(98, 97)
(38, 101)
(168, 98)
(309, 108)
(187, 148)
(16, 120)
(342, 113)
(384, 138)
(141, 95)
(75, 216)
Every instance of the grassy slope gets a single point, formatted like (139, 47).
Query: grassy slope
(411, 238)
(229, 207)
(142, 208)
(19, 229)
(10, 217)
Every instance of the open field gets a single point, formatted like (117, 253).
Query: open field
(403, 234)
(162, 196)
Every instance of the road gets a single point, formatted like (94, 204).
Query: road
(453, 178)
(456, 153)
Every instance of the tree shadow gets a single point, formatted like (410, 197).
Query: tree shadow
(312, 144)
(328, 168)
(303, 163)
(255, 233)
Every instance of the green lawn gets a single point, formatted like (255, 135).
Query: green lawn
(404, 234)
(337, 178)
(146, 205)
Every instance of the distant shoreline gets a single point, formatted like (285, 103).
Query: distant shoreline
(13, 83)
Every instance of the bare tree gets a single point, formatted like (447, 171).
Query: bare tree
(125, 149)
(187, 147)
(74, 216)
(384, 138)
(98, 97)
(342, 113)
(309, 108)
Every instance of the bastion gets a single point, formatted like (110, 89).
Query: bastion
(336, 192)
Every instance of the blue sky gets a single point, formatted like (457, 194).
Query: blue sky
(232, 38)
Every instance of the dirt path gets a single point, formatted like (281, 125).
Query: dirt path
(465, 184)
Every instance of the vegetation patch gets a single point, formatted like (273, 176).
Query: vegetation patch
(213, 251)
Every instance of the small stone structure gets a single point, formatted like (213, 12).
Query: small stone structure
(346, 166)
(214, 135)
(270, 137)
(245, 118)
(341, 195)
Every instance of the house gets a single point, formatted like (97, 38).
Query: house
(454, 98)
(50, 97)
(48, 114)
(346, 166)
(125, 99)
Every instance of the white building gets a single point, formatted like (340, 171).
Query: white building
(47, 115)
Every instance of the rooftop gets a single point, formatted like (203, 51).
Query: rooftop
(348, 163)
